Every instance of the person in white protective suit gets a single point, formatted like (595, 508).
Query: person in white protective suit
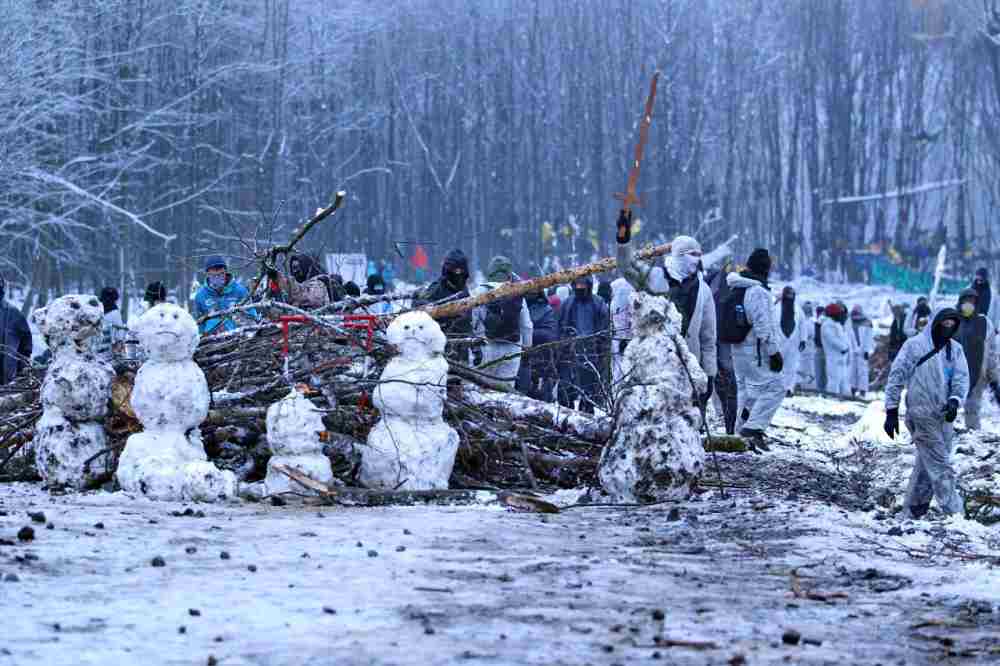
(506, 324)
(932, 368)
(807, 358)
(979, 342)
(621, 325)
(757, 359)
(862, 339)
(836, 347)
(683, 284)
(791, 335)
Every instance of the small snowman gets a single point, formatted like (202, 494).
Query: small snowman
(75, 393)
(170, 397)
(411, 447)
(657, 452)
(293, 433)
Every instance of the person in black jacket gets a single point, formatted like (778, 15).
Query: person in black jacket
(15, 339)
(451, 286)
(538, 376)
(583, 321)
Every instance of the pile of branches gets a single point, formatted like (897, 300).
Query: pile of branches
(507, 440)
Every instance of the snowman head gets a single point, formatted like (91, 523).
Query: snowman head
(70, 322)
(416, 336)
(652, 313)
(167, 333)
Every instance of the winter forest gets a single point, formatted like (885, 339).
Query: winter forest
(140, 135)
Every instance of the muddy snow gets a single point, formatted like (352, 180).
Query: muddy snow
(804, 562)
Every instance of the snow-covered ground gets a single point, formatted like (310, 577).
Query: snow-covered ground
(793, 548)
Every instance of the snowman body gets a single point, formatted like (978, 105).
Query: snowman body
(75, 393)
(293, 434)
(167, 460)
(411, 447)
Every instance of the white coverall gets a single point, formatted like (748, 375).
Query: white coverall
(621, 324)
(942, 376)
(862, 342)
(505, 371)
(759, 390)
(807, 358)
(790, 346)
(836, 348)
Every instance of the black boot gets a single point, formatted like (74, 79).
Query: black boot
(918, 511)
(754, 439)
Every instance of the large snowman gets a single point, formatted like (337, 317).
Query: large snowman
(170, 397)
(75, 393)
(657, 452)
(411, 447)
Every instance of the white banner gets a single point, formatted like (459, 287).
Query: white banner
(351, 267)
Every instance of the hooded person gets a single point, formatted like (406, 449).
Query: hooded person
(921, 311)
(836, 349)
(977, 337)
(680, 280)
(538, 374)
(451, 286)
(375, 286)
(15, 339)
(932, 368)
(757, 358)
(791, 337)
(621, 324)
(583, 324)
(309, 287)
(220, 292)
(987, 304)
(897, 334)
(819, 364)
(113, 327)
(505, 323)
(725, 396)
(807, 357)
(862, 339)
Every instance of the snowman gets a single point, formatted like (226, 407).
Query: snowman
(293, 433)
(170, 397)
(657, 452)
(411, 447)
(75, 393)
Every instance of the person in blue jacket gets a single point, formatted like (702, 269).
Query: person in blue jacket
(220, 292)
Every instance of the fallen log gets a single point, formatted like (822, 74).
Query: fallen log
(512, 289)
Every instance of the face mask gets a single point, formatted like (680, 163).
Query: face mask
(582, 294)
(968, 309)
(217, 280)
(458, 279)
(682, 267)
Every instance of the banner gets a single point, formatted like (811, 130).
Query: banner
(351, 267)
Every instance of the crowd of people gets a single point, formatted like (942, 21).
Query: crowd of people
(566, 344)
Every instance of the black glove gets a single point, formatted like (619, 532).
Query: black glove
(802, 346)
(844, 352)
(708, 391)
(996, 391)
(951, 410)
(624, 225)
(866, 356)
(622, 344)
(776, 362)
(892, 422)
(477, 356)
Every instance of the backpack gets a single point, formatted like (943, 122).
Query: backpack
(733, 323)
(503, 319)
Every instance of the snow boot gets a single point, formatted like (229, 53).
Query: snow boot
(788, 394)
(918, 511)
(755, 440)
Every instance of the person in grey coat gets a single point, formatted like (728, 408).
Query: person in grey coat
(932, 368)
(15, 339)
(682, 283)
